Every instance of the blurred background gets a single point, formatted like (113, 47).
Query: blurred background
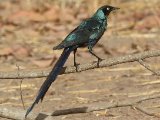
(30, 28)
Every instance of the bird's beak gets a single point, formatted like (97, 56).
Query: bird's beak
(115, 8)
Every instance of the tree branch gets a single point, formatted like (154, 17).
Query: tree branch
(148, 67)
(18, 114)
(71, 69)
(15, 114)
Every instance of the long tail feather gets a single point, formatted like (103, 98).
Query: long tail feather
(51, 77)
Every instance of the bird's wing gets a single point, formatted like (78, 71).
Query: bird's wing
(81, 35)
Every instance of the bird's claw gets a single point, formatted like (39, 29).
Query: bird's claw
(99, 60)
(76, 65)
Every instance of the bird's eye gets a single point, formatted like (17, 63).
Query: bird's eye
(107, 8)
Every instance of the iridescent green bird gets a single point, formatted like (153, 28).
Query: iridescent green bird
(87, 34)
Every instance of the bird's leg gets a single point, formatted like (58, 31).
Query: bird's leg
(75, 64)
(90, 51)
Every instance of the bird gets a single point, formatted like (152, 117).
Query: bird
(87, 34)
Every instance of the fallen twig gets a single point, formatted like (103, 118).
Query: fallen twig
(148, 67)
(143, 110)
(20, 88)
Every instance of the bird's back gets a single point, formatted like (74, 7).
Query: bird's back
(89, 29)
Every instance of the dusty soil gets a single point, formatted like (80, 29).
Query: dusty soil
(28, 43)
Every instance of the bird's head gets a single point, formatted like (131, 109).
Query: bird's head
(105, 10)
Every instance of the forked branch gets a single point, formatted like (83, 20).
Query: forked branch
(71, 69)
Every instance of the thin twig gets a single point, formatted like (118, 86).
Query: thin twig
(22, 94)
(143, 110)
(148, 67)
(83, 67)
(20, 88)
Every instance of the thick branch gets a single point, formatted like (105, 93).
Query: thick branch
(14, 113)
(18, 114)
(66, 70)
